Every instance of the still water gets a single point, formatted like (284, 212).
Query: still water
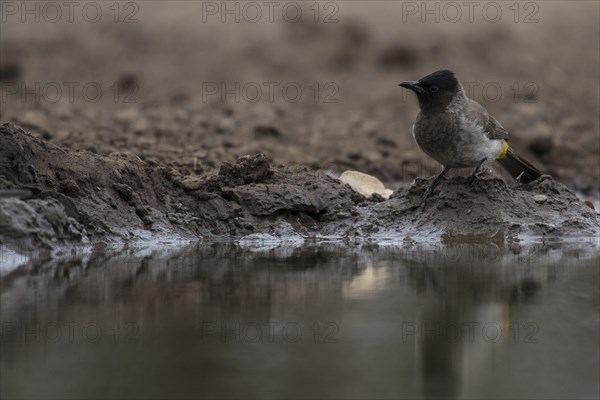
(324, 320)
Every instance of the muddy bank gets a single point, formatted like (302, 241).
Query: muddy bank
(78, 196)
(193, 95)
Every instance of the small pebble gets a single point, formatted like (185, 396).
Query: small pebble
(589, 204)
(540, 198)
(191, 183)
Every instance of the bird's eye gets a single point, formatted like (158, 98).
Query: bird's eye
(433, 89)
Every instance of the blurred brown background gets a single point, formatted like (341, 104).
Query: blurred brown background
(171, 82)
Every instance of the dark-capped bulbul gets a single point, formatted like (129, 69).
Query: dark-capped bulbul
(458, 132)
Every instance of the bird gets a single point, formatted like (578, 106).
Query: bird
(458, 132)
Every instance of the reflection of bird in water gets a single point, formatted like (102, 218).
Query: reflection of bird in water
(464, 321)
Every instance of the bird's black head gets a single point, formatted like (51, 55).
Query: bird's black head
(434, 91)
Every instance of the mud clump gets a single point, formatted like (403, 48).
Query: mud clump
(119, 197)
(247, 169)
(490, 209)
(78, 196)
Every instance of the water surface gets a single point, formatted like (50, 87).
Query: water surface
(317, 321)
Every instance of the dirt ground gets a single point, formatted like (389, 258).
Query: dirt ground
(134, 127)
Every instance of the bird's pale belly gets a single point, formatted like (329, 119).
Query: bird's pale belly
(466, 148)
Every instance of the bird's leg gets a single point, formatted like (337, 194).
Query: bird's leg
(477, 172)
(438, 179)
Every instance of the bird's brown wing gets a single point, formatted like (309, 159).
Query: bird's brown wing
(491, 128)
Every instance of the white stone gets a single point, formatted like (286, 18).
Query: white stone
(540, 198)
(365, 184)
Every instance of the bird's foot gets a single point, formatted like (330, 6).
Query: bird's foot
(472, 179)
(478, 171)
(429, 190)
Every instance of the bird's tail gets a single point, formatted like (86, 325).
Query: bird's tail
(519, 168)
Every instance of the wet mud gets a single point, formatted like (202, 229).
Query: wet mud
(82, 197)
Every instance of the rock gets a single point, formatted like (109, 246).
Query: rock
(364, 184)
(540, 198)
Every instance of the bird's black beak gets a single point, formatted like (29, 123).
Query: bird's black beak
(412, 85)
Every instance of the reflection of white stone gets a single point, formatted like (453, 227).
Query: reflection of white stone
(365, 184)
(370, 281)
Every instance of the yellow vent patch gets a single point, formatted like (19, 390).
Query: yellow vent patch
(503, 150)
